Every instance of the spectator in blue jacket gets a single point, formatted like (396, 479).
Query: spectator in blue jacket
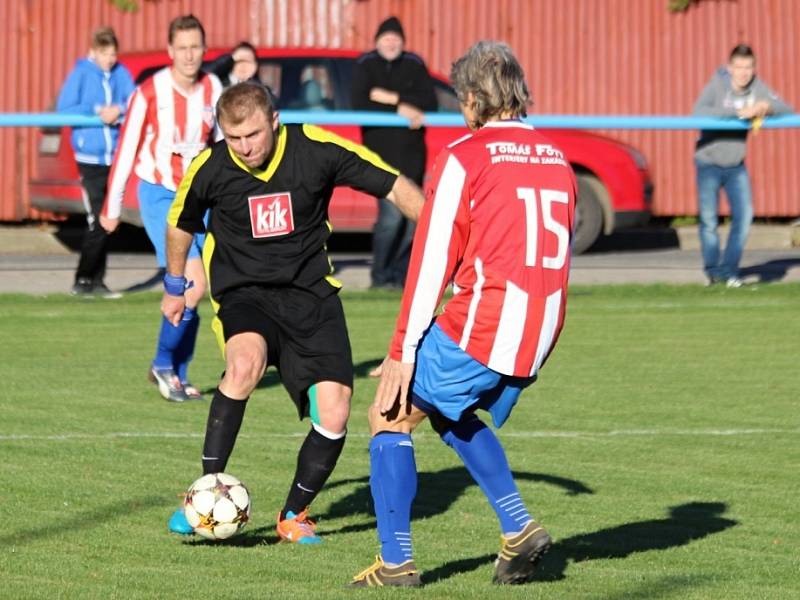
(98, 85)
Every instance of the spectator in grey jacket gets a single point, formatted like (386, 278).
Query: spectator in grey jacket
(733, 91)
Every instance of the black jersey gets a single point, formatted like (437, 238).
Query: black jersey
(269, 227)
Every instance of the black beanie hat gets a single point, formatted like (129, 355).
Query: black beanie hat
(390, 24)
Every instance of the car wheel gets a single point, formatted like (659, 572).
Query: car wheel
(588, 214)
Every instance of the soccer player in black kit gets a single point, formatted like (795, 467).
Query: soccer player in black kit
(267, 187)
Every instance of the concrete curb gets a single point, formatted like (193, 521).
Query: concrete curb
(37, 239)
(762, 237)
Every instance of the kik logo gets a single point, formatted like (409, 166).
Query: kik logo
(271, 215)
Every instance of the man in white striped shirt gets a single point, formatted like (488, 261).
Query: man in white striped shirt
(170, 121)
(497, 223)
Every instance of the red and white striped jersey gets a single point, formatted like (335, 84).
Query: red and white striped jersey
(164, 129)
(497, 222)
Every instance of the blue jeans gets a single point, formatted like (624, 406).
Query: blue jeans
(391, 246)
(736, 182)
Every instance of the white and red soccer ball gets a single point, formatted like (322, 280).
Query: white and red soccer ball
(217, 506)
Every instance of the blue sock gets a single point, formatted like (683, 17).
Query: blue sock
(482, 454)
(393, 481)
(185, 351)
(168, 340)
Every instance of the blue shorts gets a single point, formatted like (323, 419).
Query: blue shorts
(154, 203)
(449, 381)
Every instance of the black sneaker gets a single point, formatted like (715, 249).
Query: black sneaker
(101, 290)
(83, 288)
(379, 575)
(520, 554)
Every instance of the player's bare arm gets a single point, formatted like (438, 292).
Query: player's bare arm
(407, 197)
(178, 243)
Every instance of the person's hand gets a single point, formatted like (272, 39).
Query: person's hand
(172, 308)
(412, 113)
(745, 112)
(393, 386)
(758, 110)
(110, 225)
(109, 114)
(383, 96)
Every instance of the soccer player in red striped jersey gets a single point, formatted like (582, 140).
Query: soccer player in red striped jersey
(497, 224)
(170, 121)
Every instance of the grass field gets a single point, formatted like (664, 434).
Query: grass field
(661, 448)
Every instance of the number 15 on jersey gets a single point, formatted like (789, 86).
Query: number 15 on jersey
(533, 199)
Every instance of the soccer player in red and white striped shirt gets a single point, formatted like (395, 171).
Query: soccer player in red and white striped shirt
(497, 224)
(170, 120)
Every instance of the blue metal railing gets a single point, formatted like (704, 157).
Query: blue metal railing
(668, 122)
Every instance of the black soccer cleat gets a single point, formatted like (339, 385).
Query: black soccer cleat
(519, 555)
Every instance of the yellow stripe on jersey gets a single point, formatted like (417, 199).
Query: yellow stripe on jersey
(180, 196)
(216, 325)
(318, 134)
(333, 281)
(265, 174)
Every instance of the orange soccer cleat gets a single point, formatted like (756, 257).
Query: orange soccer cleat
(298, 529)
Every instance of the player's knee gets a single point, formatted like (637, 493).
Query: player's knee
(244, 370)
(336, 411)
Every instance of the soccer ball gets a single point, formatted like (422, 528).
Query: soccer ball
(217, 506)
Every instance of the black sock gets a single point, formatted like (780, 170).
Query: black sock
(224, 419)
(315, 463)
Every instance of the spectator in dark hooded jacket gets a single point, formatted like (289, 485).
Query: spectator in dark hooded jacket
(390, 79)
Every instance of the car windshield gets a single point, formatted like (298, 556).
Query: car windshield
(311, 83)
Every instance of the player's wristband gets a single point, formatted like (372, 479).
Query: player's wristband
(176, 285)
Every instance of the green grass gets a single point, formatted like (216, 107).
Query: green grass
(660, 447)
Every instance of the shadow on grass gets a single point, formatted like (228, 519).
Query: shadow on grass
(437, 492)
(456, 567)
(74, 521)
(363, 368)
(686, 523)
(248, 538)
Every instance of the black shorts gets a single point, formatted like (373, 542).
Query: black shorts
(306, 335)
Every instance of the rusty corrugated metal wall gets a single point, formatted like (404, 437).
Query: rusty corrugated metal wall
(13, 96)
(626, 57)
(581, 56)
(40, 41)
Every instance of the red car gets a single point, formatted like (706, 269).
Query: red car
(613, 181)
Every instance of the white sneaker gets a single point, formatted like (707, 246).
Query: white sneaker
(734, 282)
(169, 386)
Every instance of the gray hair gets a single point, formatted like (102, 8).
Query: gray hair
(491, 72)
